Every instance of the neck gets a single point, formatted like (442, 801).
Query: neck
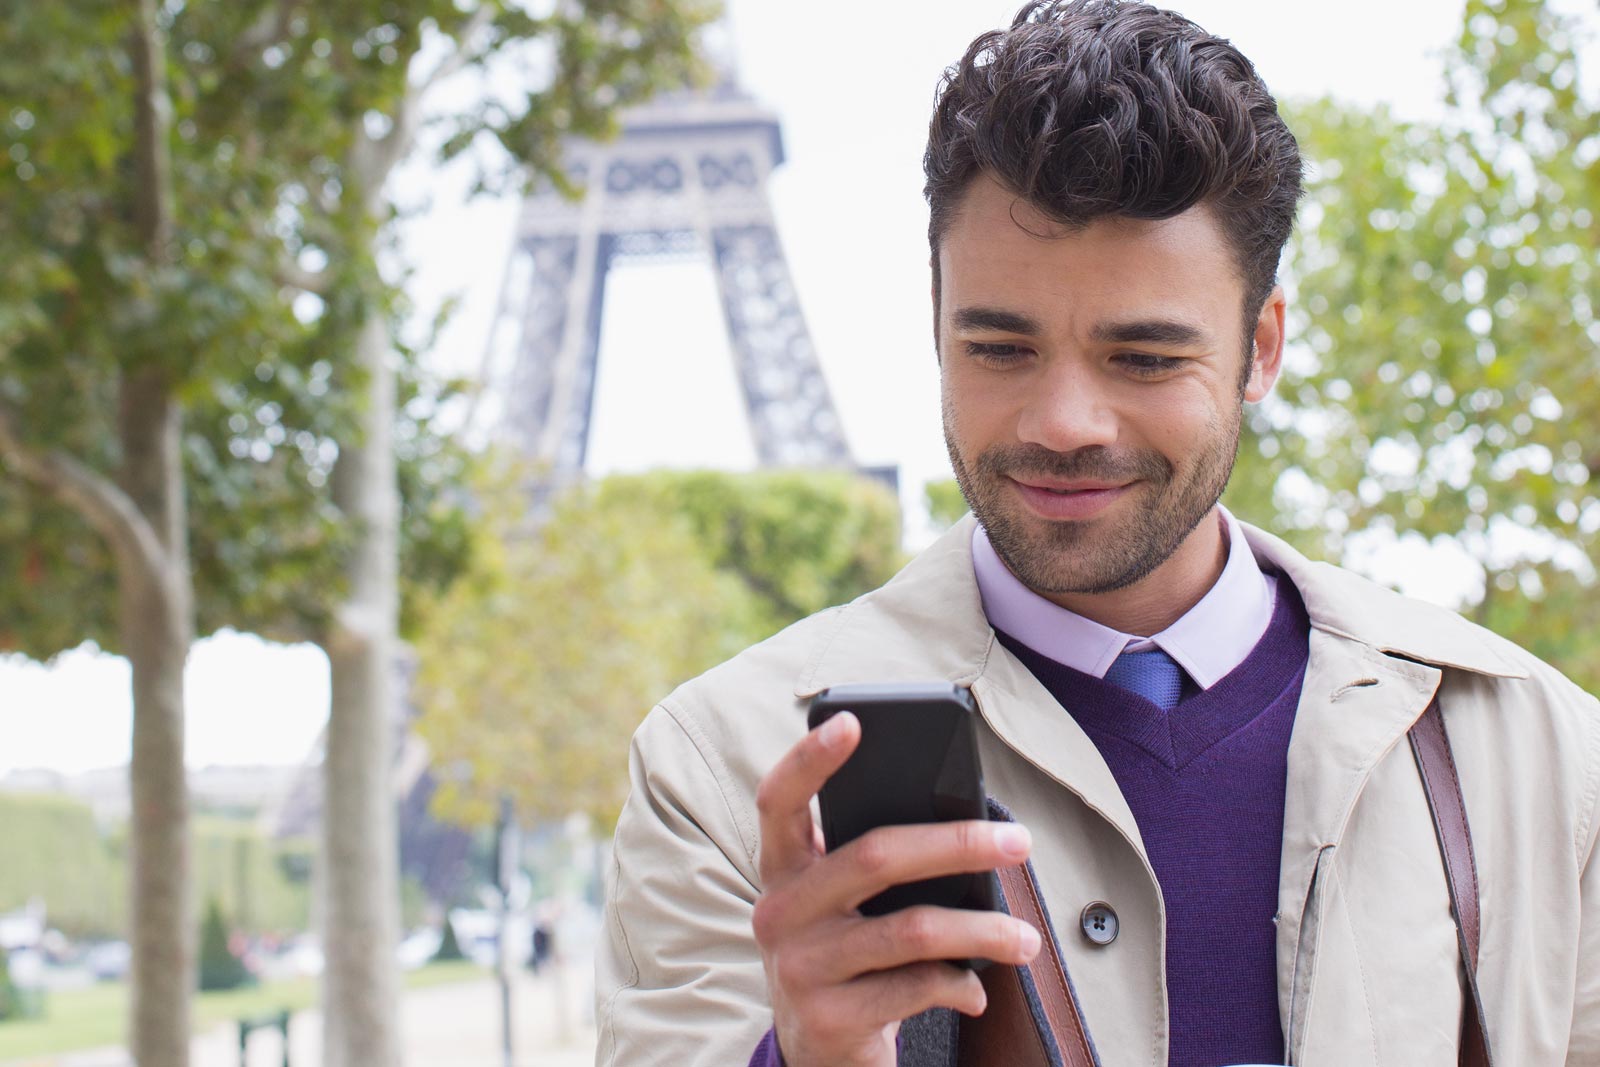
(1166, 594)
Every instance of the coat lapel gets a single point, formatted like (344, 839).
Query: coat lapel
(1023, 714)
(1355, 706)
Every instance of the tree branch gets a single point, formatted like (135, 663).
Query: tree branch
(372, 159)
(104, 506)
(388, 151)
(294, 276)
(464, 52)
(269, 29)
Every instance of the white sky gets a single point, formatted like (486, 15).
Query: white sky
(853, 83)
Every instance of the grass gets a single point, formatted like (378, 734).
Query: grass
(96, 1016)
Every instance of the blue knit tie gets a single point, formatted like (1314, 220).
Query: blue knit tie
(1154, 675)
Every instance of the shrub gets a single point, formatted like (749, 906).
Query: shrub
(449, 947)
(219, 967)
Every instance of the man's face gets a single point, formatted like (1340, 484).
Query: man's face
(1092, 384)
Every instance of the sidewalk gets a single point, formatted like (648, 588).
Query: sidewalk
(444, 1026)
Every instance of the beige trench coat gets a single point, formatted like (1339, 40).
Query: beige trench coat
(1368, 967)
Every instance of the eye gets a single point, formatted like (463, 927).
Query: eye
(995, 354)
(1149, 366)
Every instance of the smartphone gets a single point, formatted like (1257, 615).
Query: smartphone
(917, 763)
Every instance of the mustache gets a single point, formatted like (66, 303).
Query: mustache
(1098, 463)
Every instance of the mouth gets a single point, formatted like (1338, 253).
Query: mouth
(1068, 500)
(1066, 488)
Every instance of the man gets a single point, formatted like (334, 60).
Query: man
(1201, 734)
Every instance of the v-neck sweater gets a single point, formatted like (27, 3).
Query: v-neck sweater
(1205, 783)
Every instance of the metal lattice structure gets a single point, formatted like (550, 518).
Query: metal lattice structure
(688, 172)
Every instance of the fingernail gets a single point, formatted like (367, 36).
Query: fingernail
(1030, 940)
(833, 730)
(1013, 840)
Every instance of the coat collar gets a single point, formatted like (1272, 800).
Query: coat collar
(928, 621)
(1342, 603)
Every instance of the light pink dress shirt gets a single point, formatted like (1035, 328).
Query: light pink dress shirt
(1208, 642)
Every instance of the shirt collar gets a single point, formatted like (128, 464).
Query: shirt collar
(1208, 642)
(928, 622)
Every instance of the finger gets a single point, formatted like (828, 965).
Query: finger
(924, 934)
(895, 855)
(783, 799)
(889, 996)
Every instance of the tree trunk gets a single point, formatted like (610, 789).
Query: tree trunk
(156, 628)
(361, 916)
(156, 613)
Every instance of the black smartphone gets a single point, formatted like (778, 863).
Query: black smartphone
(917, 763)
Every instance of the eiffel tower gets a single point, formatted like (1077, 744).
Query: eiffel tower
(688, 173)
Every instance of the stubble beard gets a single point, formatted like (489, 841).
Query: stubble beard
(1098, 555)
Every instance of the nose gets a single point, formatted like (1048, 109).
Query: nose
(1067, 410)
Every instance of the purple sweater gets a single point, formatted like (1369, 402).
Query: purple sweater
(1206, 785)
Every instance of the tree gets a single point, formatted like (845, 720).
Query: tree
(166, 425)
(1445, 281)
(449, 945)
(800, 541)
(535, 669)
(121, 309)
(219, 967)
(195, 342)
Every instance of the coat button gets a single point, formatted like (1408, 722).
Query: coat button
(1099, 922)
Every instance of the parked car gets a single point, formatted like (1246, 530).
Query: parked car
(108, 961)
(418, 947)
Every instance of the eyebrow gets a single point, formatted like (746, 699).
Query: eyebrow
(1149, 332)
(1140, 331)
(981, 318)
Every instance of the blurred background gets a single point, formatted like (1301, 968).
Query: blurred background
(398, 397)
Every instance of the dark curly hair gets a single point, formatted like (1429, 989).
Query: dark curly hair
(1097, 108)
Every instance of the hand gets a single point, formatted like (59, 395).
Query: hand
(840, 982)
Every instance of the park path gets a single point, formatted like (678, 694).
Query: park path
(456, 1025)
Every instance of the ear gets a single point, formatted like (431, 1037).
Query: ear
(933, 270)
(1266, 354)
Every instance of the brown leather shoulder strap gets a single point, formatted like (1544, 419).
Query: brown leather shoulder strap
(1049, 970)
(1430, 744)
(1006, 1033)
(1010, 1015)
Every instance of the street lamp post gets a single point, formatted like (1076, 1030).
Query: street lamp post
(507, 842)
